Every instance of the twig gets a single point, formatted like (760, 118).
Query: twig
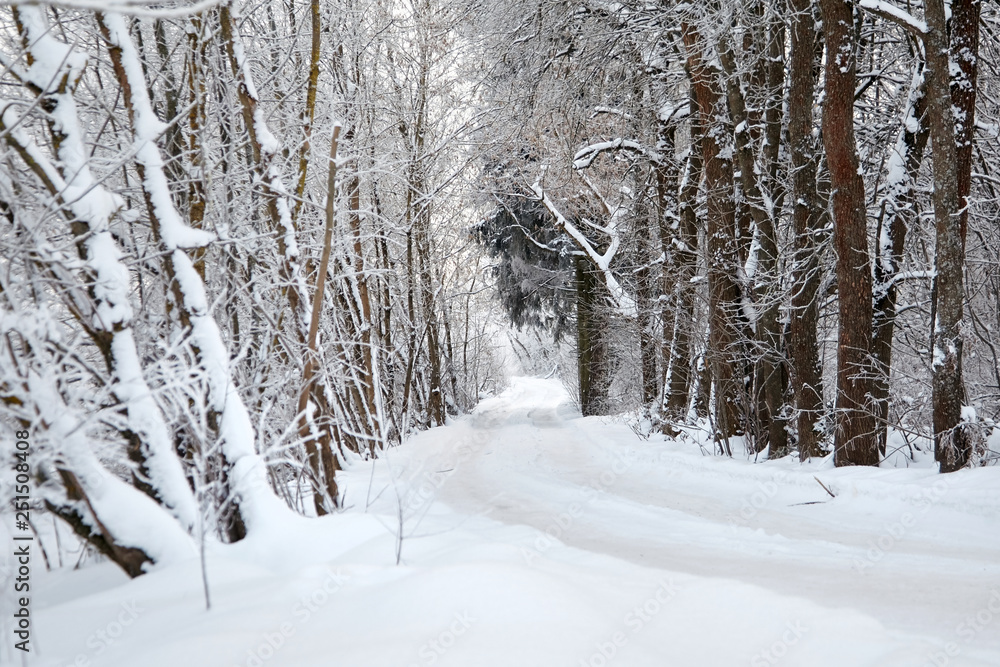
(832, 494)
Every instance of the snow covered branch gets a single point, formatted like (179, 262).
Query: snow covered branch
(248, 475)
(139, 8)
(624, 303)
(92, 207)
(586, 155)
(890, 12)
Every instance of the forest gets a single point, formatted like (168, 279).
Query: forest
(249, 248)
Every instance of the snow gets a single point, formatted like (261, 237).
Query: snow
(52, 57)
(896, 14)
(268, 142)
(259, 507)
(528, 535)
(131, 516)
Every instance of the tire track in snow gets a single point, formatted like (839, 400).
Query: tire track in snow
(674, 511)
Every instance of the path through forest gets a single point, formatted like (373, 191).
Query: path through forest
(916, 551)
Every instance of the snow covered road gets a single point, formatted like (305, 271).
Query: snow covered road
(917, 552)
(527, 536)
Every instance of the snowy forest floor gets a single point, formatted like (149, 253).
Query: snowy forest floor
(527, 535)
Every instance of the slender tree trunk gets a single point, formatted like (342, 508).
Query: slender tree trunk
(197, 122)
(309, 113)
(685, 252)
(963, 29)
(367, 356)
(646, 300)
(436, 398)
(665, 174)
(383, 299)
(411, 287)
(898, 212)
(807, 214)
(723, 353)
(172, 141)
(952, 445)
(309, 430)
(591, 347)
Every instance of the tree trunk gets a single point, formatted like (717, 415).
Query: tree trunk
(686, 260)
(898, 212)
(591, 348)
(723, 354)
(855, 442)
(807, 216)
(646, 294)
(309, 112)
(952, 445)
(963, 29)
(309, 430)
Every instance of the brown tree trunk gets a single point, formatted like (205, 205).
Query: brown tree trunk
(309, 112)
(723, 355)
(436, 398)
(591, 348)
(963, 29)
(366, 357)
(855, 442)
(421, 237)
(807, 215)
(952, 445)
(646, 294)
(309, 430)
(665, 174)
(197, 121)
(85, 522)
